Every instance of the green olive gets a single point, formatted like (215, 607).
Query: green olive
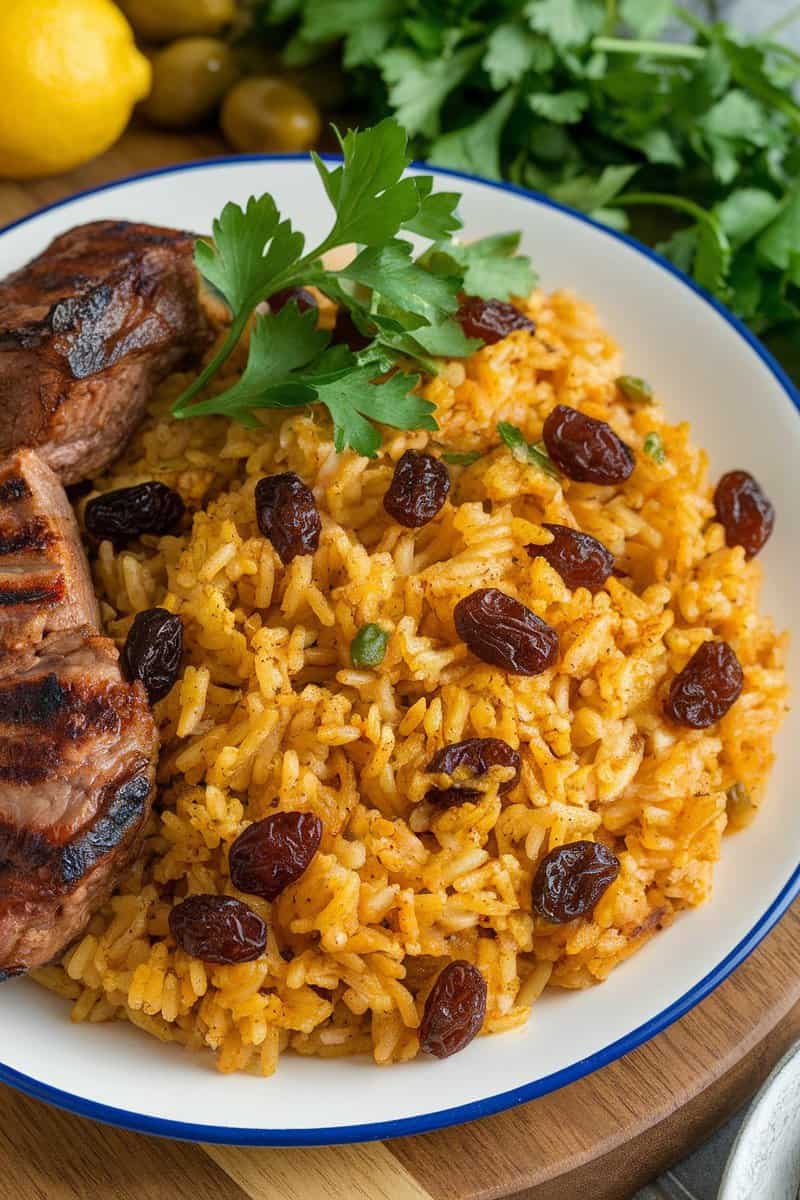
(162, 20)
(190, 77)
(269, 116)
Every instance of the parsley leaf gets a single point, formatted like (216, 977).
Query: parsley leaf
(354, 401)
(565, 108)
(511, 51)
(436, 216)
(288, 366)
(489, 267)
(419, 86)
(525, 452)
(371, 199)
(476, 147)
(566, 22)
(389, 271)
(250, 247)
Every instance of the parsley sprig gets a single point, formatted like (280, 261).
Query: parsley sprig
(404, 305)
(694, 142)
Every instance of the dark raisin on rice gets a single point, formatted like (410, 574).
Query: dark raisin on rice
(491, 320)
(419, 488)
(153, 651)
(586, 450)
(273, 853)
(744, 511)
(218, 929)
(127, 513)
(570, 880)
(505, 633)
(709, 684)
(580, 559)
(287, 514)
(454, 1010)
(476, 756)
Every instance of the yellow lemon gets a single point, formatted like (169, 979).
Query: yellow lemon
(70, 75)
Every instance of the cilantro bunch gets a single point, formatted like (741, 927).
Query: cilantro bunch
(404, 307)
(695, 142)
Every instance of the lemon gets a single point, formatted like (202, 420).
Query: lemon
(70, 76)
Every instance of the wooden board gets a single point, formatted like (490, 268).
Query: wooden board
(601, 1137)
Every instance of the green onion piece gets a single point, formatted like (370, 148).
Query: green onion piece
(523, 452)
(459, 458)
(369, 646)
(637, 390)
(655, 447)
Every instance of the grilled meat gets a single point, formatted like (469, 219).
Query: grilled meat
(86, 330)
(77, 769)
(78, 744)
(44, 577)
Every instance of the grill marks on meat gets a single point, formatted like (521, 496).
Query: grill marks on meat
(44, 578)
(78, 743)
(77, 770)
(86, 330)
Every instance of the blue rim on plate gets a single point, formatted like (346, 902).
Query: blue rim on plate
(341, 1134)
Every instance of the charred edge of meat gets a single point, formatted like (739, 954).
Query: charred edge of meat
(32, 703)
(124, 810)
(49, 594)
(23, 761)
(11, 973)
(13, 490)
(33, 536)
(71, 712)
(58, 869)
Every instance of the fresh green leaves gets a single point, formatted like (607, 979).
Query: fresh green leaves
(490, 267)
(525, 452)
(461, 458)
(404, 307)
(250, 248)
(575, 97)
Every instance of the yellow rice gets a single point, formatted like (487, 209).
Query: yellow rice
(270, 714)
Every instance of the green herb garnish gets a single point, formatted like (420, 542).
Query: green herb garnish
(461, 458)
(637, 390)
(654, 448)
(368, 647)
(405, 305)
(526, 452)
(583, 99)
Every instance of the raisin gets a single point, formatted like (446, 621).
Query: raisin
(218, 929)
(744, 511)
(503, 632)
(586, 450)
(491, 320)
(345, 332)
(580, 559)
(153, 650)
(476, 755)
(301, 296)
(128, 512)
(454, 1010)
(271, 854)
(287, 514)
(571, 879)
(706, 688)
(418, 490)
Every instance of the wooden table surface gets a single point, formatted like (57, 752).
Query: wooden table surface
(601, 1137)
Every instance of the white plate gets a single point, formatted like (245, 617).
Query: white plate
(743, 409)
(764, 1163)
